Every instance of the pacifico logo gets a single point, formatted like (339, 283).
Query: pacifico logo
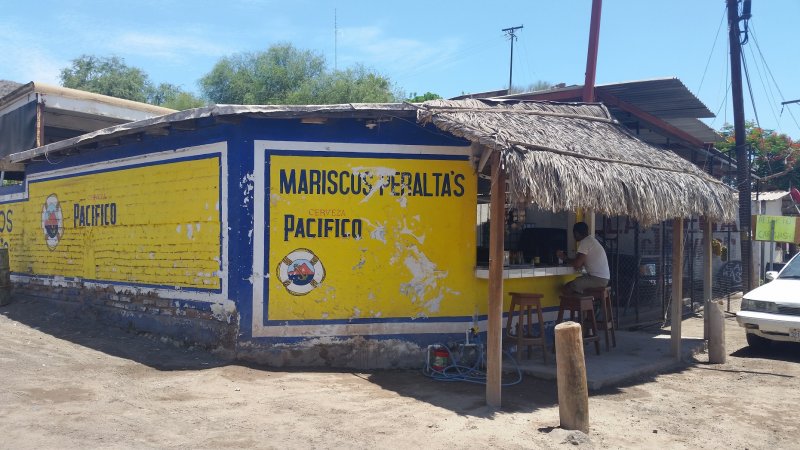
(300, 271)
(52, 221)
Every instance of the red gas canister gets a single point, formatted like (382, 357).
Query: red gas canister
(440, 359)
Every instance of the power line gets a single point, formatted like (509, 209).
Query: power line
(765, 86)
(769, 71)
(713, 46)
(750, 89)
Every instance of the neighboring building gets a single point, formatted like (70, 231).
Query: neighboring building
(36, 114)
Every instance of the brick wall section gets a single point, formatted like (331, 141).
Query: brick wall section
(174, 319)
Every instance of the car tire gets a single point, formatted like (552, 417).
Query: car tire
(757, 342)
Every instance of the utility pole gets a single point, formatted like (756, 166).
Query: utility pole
(742, 156)
(511, 33)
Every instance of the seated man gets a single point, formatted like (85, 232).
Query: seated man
(592, 257)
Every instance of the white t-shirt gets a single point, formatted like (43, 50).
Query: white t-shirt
(596, 262)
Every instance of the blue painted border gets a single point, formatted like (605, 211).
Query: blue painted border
(268, 153)
(210, 155)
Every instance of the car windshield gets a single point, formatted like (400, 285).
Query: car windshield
(792, 270)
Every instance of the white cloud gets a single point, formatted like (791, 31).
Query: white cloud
(372, 45)
(24, 59)
(165, 46)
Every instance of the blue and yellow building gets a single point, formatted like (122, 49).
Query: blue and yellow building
(341, 235)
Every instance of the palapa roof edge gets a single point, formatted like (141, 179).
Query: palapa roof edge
(565, 156)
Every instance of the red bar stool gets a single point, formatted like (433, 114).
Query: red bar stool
(583, 307)
(603, 296)
(524, 304)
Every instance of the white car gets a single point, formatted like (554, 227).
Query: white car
(772, 312)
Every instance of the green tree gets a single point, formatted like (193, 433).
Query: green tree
(286, 75)
(414, 98)
(107, 76)
(774, 155)
(111, 76)
(533, 87)
(354, 85)
(173, 97)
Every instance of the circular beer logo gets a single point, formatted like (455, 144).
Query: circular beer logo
(300, 271)
(52, 221)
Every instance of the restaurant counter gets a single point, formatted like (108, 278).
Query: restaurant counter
(526, 271)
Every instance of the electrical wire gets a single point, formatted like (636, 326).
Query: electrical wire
(469, 374)
(750, 89)
(769, 71)
(766, 87)
(713, 46)
(727, 85)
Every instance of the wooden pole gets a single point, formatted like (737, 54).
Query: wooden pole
(716, 333)
(740, 136)
(573, 391)
(677, 286)
(39, 122)
(494, 345)
(708, 260)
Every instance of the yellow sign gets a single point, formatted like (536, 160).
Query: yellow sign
(361, 238)
(785, 228)
(157, 225)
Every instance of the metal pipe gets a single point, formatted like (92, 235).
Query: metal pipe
(591, 57)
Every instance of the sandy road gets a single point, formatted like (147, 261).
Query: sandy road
(67, 383)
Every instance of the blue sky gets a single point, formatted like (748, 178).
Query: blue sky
(444, 47)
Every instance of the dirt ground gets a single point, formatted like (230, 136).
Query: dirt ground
(75, 384)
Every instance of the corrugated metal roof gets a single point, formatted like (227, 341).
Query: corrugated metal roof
(276, 111)
(665, 98)
(7, 86)
(769, 196)
(696, 128)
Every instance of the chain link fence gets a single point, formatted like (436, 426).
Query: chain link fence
(640, 259)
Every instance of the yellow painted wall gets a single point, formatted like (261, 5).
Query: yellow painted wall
(166, 230)
(415, 257)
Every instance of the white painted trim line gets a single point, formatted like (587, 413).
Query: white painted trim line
(365, 148)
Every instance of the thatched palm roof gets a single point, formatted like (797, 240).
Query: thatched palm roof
(567, 156)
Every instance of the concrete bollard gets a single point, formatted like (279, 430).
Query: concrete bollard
(716, 333)
(573, 391)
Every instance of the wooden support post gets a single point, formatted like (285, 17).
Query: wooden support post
(708, 259)
(494, 344)
(573, 391)
(716, 333)
(677, 286)
(39, 121)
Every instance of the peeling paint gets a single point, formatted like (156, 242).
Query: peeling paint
(378, 231)
(224, 311)
(423, 289)
(381, 173)
(407, 231)
(246, 184)
(189, 230)
(362, 260)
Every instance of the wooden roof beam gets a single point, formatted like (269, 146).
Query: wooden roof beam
(661, 125)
